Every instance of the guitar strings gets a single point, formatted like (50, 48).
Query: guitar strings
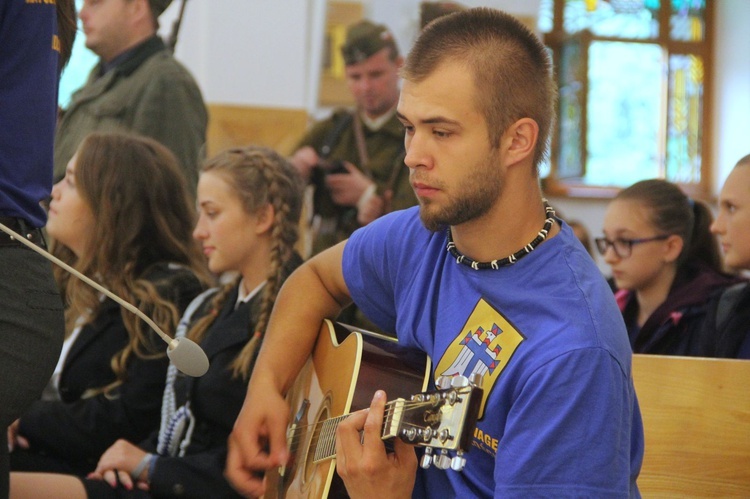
(390, 409)
(322, 439)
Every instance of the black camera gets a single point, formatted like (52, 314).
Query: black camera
(331, 167)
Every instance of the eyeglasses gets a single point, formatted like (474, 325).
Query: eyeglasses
(624, 247)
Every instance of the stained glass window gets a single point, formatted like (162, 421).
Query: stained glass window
(686, 21)
(624, 113)
(685, 117)
(631, 97)
(636, 19)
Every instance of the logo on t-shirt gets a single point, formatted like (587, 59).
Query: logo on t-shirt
(484, 346)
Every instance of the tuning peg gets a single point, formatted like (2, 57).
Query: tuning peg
(459, 381)
(442, 461)
(445, 435)
(409, 434)
(426, 458)
(458, 462)
(444, 382)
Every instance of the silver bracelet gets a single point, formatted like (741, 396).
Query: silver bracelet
(141, 466)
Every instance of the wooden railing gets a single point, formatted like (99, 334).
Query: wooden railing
(696, 416)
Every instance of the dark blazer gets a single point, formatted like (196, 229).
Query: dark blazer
(216, 400)
(728, 336)
(70, 435)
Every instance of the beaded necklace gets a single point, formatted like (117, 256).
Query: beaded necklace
(510, 259)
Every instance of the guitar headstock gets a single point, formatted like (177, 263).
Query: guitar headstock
(442, 419)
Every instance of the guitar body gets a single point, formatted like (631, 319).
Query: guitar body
(345, 369)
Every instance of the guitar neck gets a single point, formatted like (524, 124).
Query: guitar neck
(325, 447)
(436, 419)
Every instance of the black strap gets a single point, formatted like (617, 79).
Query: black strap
(333, 136)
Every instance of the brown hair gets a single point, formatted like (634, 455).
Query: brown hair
(143, 215)
(66, 29)
(260, 177)
(672, 212)
(511, 68)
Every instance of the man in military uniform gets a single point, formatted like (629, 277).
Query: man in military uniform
(136, 87)
(355, 158)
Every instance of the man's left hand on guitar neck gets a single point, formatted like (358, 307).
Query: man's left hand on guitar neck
(365, 467)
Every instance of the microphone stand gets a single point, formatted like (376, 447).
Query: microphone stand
(191, 358)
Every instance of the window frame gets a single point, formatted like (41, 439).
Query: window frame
(555, 39)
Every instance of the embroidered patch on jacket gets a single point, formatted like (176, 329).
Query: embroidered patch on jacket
(484, 345)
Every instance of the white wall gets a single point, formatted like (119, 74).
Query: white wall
(731, 110)
(246, 52)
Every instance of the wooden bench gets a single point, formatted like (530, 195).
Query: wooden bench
(696, 416)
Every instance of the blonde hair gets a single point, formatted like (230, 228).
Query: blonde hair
(260, 177)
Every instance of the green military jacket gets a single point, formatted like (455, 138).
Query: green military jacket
(150, 94)
(385, 149)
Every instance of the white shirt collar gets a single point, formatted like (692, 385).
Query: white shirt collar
(375, 124)
(244, 298)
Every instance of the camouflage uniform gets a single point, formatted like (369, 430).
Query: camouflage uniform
(385, 157)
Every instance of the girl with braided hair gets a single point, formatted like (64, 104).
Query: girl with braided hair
(249, 202)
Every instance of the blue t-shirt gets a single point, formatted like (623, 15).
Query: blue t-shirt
(29, 59)
(560, 416)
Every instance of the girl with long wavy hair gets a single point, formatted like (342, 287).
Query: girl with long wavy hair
(122, 216)
(249, 202)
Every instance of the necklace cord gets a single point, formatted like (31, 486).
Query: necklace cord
(510, 259)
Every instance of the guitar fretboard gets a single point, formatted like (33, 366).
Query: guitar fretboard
(324, 442)
(325, 446)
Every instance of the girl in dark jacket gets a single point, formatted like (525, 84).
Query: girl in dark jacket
(249, 205)
(123, 216)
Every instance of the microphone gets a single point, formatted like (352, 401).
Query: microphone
(184, 353)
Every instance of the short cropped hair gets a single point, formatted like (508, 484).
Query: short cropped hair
(511, 68)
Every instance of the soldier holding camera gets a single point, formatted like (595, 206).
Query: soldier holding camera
(355, 159)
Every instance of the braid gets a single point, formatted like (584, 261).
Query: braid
(283, 238)
(198, 331)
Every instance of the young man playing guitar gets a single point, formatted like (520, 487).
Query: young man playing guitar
(538, 324)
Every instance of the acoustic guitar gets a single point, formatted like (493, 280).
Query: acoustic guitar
(346, 367)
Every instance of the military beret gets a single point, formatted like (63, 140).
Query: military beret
(159, 6)
(364, 39)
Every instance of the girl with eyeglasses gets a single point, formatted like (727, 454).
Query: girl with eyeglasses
(665, 263)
